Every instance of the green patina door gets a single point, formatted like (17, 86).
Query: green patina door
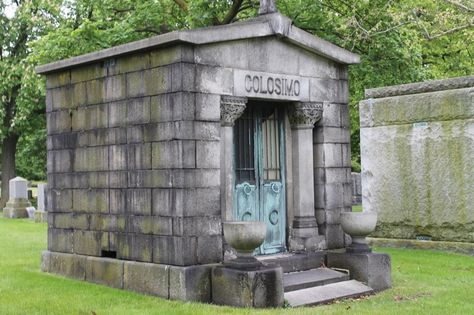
(259, 191)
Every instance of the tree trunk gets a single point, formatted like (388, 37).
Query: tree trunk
(8, 165)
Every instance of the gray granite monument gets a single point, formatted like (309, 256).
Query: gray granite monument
(18, 203)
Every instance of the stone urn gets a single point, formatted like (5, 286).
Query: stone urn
(244, 237)
(358, 225)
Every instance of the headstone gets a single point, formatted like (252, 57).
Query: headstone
(41, 192)
(31, 212)
(41, 214)
(18, 199)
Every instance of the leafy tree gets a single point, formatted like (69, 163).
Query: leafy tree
(21, 91)
(399, 42)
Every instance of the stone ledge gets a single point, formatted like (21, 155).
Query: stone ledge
(190, 283)
(455, 247)
(422, 87)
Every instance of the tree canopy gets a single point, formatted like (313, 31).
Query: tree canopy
(399, 42)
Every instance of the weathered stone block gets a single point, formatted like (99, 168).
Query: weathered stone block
(118, 201)
(197, 202)
(139, 156)
(118, 179)
(151, 179)
(196, 178)
(183, 77)
(87, 73)
(60, 200)
(105, 271)
(227, 54)
(158, 80)
(163, 202)
(113, 223)
(95, 91)
(138, 111)
(191, 283)
(139, 201)
(118, 157)
(197, 226)
(208, 107)
(156, 225)
(60, 240)
(58, 79)
(209, 249)
(371, 268)
(58, 122)
(91, 159)
(214, 80)
(146, 278)
(68, 265)
(62, 141)
(59, 98)
(90, 243)
(79, 94)
(259, 288)
(175, 250)
(124, 64)
(117, 114)
(169, 55)
(115, 88)
(208, 154)
(174, 154)
(90, 200)
(59, 161)
(135, 247)
(327, 90)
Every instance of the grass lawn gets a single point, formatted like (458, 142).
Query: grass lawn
(425, 282)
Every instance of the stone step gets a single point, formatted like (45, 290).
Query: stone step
(291, 262)
(327, 293)
(311, 278)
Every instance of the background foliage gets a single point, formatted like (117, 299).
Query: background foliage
(399, 42)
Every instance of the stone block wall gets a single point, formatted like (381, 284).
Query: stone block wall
(332, 170)
(133, 160)
(417, 148)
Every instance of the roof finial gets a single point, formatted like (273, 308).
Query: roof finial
(267, 6)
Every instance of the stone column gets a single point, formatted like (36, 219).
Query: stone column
(231, 109)
(18, 199)
(304, 234)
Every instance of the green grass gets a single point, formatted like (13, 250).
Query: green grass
(357, 208)
(425, 282)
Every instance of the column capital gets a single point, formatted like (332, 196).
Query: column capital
(303, 115)
(232, 108)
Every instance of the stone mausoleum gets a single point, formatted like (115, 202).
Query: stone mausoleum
(153, 144)
(417, 150)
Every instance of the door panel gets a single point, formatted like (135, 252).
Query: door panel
(259, 192)
(246, 208)
(274, 217)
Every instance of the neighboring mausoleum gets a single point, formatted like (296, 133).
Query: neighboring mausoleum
(153, 145)
(417, 150)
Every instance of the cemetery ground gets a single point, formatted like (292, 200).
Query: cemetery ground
(424, 282)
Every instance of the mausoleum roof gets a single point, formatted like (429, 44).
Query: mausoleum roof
(273, 24)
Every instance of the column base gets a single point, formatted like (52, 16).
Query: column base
(304, 235)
